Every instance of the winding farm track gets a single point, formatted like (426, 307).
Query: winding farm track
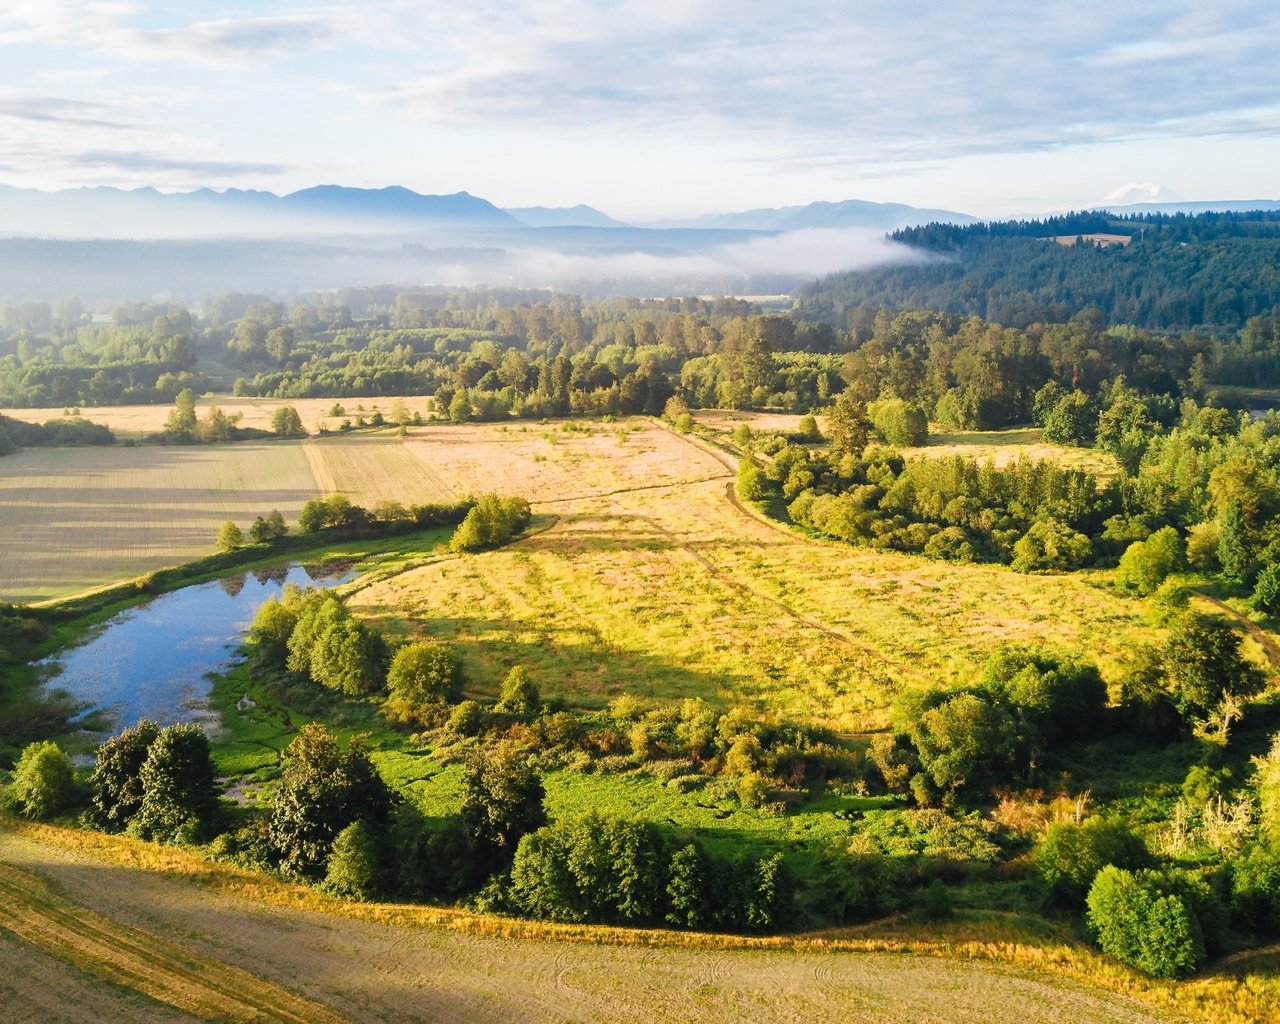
(1264, 639)
(208, 944)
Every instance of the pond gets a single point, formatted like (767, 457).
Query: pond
(154, 660)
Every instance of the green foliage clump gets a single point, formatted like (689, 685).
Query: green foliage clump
(590, 869)
(265, 530)
(354, 870)
(899, 423)
(1146, 564)
(1072, 420)
(230, 537)
(1266, 589)
(1070, 855)
(502, 802)
(43, 781)
(179, 787)
(492, 522)
(285, 422)
(1050, 545)
(329, 646)
(1148, 920)
(1203, 665)
(751, 482)
(423, 677)
(323, 789)
(520, 696)
(116, 781)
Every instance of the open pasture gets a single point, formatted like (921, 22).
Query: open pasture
(671, 589)
(1002, 447)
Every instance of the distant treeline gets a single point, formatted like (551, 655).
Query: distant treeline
(1210, 272)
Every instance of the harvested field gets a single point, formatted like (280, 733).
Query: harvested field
(83, 517)
(671, 589)
(370, 468)
(427, 965)
(132, 421)
(78, 517)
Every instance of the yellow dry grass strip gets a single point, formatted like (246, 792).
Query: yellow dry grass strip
(135, 959)
(1232, 994)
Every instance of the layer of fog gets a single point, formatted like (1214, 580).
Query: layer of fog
(598, 263)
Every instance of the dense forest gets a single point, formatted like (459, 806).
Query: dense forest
(1211, 272)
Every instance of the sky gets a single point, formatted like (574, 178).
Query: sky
(649, 109)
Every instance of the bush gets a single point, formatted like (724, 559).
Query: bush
(229, 537)
(116, 781)
(353, 871)
(855, 887)
(1255, 891)
(751, 481)
(179, 786)
(423, 677)
(323, 789)
(1070, 856)
(1050, 545)
(898, 423)
(1266, 589)
(1145, 564)
(519, 697)
(491, 522)
(1142, 920)
(43, 781)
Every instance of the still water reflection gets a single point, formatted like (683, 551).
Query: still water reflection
(153, 660)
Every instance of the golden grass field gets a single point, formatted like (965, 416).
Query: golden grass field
(652, 580)
(116, 929)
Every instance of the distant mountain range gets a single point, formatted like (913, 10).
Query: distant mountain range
(580, 216)
(325, 209)
(851, 213)
(333, 210)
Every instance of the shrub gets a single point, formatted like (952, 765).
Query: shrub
(1266, 589)
(751, 481)
(1071, 855)
(491, 522)
(116, 781)
(1145, 564)
(1050, 545)
(353, 871)
(179, 786)
(423, 677)
(323, 789)
(898, 422)
(43, 781)
(1141, 920)
(229, 537)
(519, 696)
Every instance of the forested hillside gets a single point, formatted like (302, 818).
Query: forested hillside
(1209, 272)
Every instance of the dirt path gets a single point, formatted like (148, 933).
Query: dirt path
(229, 955)
(33, 911)
(1265, 640)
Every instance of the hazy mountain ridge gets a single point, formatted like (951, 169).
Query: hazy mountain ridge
(848, 213)
(580, 216)
(103, 212)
